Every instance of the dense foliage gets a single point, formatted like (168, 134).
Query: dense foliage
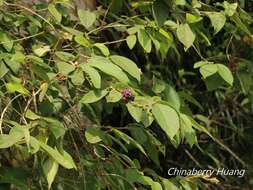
(112, 96)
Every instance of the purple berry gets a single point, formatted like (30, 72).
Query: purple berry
(126, 93)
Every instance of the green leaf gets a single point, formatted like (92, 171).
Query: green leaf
(65, 68)
(6, 41)
(131, 41)
(50, 169)
(129, 140)
(196, 4)
(207, 41)
(93, 96)
(152, 149)
(93, 75)
(116, 140)
(158, 85)
(35, 21)
(190, 18)
(40, 72)
(172, 97)
(116, 6)
(16, 87)
(156, 186)
(171, 24)
(6, 141)
(200, 64)
(168, 185)
(77, 77)
(160, 12)
(218, 20)
(230, 8)
(133, 30)
(109, 68)
(13, 65)
(65, 56)
(31, 115)
(72, 31)
(136, 112)
(225, 73)
(55, 12)
(208, 70)
(140, 114)
(18, 56)
(55, 126)
(80, 39)
(93, 135)
(86, 17)
(16, 134)
(167, 118)
(147, 118)
(3, 69)
(180, 2)
(139, 134)
(114, 96)
(42, 51)
(34, 146)
(185, 35)
(186, 96)
(102, 48)
(187, 131)
(187, 185)
(214, 81)
(63, 160)
(144, 40)
(133, 175)
(240, 24)
(38, 61)
(44, 88)
(127, 65)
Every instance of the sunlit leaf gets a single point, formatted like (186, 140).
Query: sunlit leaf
(86, 17)
(16, 87)
(167, 118)
(127, 65)
(218, 20)
(102, 48)
(50, 169)
(93, 75)
(109, 68)
(185, 35)
(52, 9)
(63, 160)
(93, 96)
(131, 41)
(144, 40)
(225, 73)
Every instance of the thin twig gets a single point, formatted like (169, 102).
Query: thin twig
(24, 38)
(227, 48)
(192, 158)
(198, 52)
(107, 26)
(114, 42)
(230, 151)
(5, 109)
(28, 104)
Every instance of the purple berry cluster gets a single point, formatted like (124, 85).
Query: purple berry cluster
(126, 94)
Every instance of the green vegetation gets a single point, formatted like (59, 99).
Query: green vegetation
(113, 97)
